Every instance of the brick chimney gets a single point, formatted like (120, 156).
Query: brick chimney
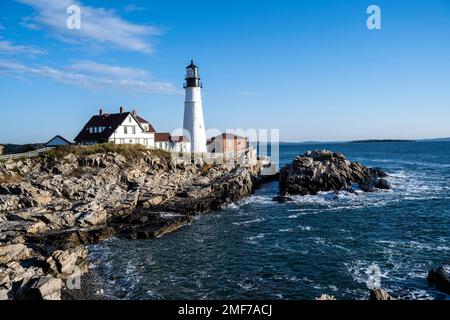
(121, 109)
(100, 112)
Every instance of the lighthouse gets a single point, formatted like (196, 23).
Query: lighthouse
(194, 124)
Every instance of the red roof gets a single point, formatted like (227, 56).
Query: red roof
(179, 139)
(162, 137)
(225, 136)
(142, 120)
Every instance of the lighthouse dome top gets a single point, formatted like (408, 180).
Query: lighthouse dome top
(192, 65)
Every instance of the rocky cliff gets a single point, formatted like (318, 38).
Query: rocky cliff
(51, 207)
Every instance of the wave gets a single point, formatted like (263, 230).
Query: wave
(254, 199)
(249, 222)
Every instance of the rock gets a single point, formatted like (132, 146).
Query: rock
(15, 271)
(318, 171)
(42, 288)
(5, 281)
(380, 294)
(326, 297)
(440, 278)
(383, 184)
(67, 262)
(72, 238)
(4, 294)
(13, 252)
(93, 218)
(282, 199)
(36, 227)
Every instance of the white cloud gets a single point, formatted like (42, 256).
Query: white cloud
(92, 76)
(98, 25)
(7, 47)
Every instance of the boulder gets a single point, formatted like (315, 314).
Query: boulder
(326, 297)
(13, 252)
(440, 278)
(93, 218)
(317, 171)
(36, 227)
(42, 288)
(66, 261)
(282, 199)
(383, 184)
(380, 294)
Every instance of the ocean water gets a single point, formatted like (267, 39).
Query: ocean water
(258, 249)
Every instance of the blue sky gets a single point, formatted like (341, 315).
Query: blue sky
(310, 68)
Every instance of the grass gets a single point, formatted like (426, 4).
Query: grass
(129, 151)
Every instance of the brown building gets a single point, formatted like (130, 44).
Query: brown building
(227, 143)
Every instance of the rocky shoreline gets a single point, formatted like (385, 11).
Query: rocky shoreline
(53, 206)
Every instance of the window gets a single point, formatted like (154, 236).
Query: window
(122, 141)
(125, 130)
(134, 130)
(131, 141)
(129, 119)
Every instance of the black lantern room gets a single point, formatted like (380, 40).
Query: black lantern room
(192, 76)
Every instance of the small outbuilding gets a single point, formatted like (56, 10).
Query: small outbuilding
(57, 141)
(227, 143)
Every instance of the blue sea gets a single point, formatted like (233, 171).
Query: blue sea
(259, 249)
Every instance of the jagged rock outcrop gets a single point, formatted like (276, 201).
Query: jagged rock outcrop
(325, 297)
(52, 206)
(317, 171)
(380, 295)
(440, 278)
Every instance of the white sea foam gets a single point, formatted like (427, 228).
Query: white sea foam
(259, 236)
(249, 221)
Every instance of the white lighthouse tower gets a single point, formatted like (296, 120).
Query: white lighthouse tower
(193, 124)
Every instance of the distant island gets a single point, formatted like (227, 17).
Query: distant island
(438, 139)
(381, 140)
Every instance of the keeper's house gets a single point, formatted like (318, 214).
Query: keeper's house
(128, 128)
(118, 128)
